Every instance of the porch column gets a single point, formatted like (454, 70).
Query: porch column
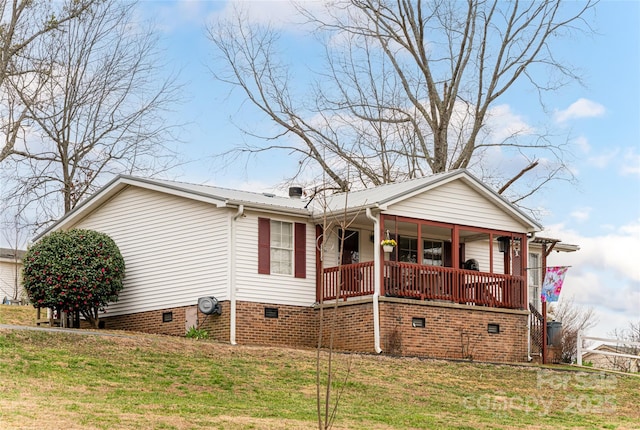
(455, 247)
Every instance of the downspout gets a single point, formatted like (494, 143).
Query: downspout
(529, 357)
(530, 237)
(232, 278)
(376, 282)
(525, 252)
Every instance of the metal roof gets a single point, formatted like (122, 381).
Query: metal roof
(229, 196)
(8, 253)
(558, 245)
(376, 197)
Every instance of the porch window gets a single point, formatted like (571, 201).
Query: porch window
(432, 252)
(408, 249)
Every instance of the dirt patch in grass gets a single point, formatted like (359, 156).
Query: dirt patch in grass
(18, 315)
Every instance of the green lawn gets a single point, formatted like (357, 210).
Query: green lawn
(58, 380)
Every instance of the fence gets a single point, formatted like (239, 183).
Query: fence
(615, 342)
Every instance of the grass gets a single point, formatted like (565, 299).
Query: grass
(156, 382)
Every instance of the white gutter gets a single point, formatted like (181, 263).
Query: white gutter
(232, 278)
(376, 282)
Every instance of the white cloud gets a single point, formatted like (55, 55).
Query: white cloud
(169, 16)
(277, 13)
(604, 273)
(582, 143)
(581, 214)
(630, 163)
(604, 159)
(502, 123)
(582, 108)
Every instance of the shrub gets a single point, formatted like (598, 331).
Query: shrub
(74, 271)
(197, 333)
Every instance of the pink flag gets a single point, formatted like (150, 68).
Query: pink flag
(553, 283)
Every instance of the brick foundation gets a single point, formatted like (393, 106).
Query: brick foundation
(453, 331)
(450, 330)
(295, 326)
(152, 322)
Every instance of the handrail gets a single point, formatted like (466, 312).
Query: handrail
(424, 282)
(348, 280)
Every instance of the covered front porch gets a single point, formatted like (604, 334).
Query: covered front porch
(485, 270)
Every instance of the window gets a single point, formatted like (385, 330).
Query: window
(534, 270)
(282, 247)
(167, 317)
(408, 249)
(432, 252)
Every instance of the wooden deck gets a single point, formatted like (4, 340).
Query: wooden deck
(422, 282)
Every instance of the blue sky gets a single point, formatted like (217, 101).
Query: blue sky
(601, 213)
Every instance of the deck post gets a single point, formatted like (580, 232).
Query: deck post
(544, 332)
(579, 349)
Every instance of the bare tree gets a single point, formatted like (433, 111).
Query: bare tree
(24, 23)
(574, 318)
(408, 88)
(628, 343)
(15, 233)
(335, 226)
(98, 111)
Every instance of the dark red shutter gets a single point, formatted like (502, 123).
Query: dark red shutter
(264, 246)
(300, 250)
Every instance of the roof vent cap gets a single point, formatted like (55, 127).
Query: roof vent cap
(295, 192)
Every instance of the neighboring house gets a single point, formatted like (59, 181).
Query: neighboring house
(613, 362)
(11, 275)
(455, 285)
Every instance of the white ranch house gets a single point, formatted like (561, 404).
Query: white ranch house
(456, 285)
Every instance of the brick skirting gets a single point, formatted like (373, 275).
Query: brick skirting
(407, 327)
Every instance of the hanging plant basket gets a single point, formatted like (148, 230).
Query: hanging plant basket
(387, 248)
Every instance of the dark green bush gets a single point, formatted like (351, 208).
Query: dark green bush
(74, 271)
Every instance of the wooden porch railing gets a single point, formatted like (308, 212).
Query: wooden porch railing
(422, 282)
(349, 280)
(536, 331)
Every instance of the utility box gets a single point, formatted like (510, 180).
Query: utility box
(554, 333)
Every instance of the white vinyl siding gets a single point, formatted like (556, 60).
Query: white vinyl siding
(272, 288)
(479, 250)
(457, 203)
(175, 249)
(8, 271)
